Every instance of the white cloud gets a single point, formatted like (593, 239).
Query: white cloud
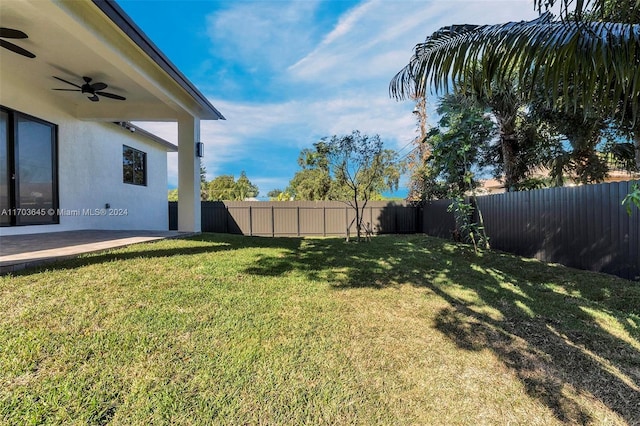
(331, 82)
(299, 123)
(380, 32)
(346, 23)
(294, 125)
(262, 33)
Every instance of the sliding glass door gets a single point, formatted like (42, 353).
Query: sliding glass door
(5, 175)
(28, 168)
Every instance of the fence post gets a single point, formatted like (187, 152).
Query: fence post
(273, 223)
(324, 221)
(395, 219)
(346, 222)
(298, 213)
(371, 218)
(250, 222)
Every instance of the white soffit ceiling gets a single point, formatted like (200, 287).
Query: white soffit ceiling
(75, 39)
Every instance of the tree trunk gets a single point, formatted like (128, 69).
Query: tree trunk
(358, 222)
(509, 147)
(509, 161)
(355, 202)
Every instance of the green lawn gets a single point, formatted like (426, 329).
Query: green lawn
(223, 329)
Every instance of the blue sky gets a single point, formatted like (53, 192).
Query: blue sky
(286, 73)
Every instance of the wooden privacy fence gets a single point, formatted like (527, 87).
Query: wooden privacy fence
(300, 218)
(585, 227)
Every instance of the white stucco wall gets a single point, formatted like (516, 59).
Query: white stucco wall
(90, 168)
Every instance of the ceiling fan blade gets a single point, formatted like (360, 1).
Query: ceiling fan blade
(68, 82)
(10, 33)
(99, 86)
(17, 49)
(94, 98)
(111, 95)
(69, 90)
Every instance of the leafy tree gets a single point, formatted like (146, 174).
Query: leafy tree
(274, 194)
(225, 187)
(203, 183)
(244, 188)
(581, 158)
(311, 185)
(221, 188)
(537, 143)
(313, 181)
(625, 155)
(352, 168)
(203, 174)
(457, 145)
(456, 151)
(361, 169)
(280, 195)
(603, 10)
(286, 195)
(623, 125)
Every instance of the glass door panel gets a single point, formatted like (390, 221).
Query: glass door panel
(35, 162)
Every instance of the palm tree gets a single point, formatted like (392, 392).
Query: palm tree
(581, 48)
(502, 99)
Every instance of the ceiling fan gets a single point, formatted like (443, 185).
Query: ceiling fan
(91, 90)
(10, 33)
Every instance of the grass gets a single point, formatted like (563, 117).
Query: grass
(236, 330)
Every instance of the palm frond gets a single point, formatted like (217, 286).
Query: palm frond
(593, 56)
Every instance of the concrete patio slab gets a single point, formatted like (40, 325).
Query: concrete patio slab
(18, 252)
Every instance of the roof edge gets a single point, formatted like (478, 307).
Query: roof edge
(119, 17)
(142, 132)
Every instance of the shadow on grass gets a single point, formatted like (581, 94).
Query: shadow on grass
(543, 321)
(200, 244)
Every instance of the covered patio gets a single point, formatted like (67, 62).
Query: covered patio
(79, 68)
(18, 252)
